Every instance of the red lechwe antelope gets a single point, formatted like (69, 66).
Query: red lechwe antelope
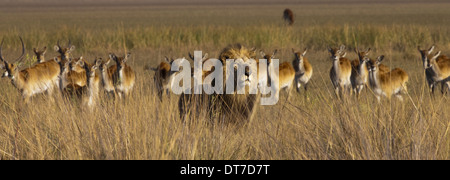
(437, 73)
(73, 78)
(341, 71)
(42, 77)
(40, 54)
(124, 77)
(360, 72)
(107, 76)
(164, 77)
(303, 69)
(386, 84)
(286, 73)
(64, 52)
(93, 81)
(440, 70)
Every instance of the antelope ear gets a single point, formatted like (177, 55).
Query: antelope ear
(35, 51)
(330, 49)
(274, 53)
(342, 48)
(44, 50)
(345, 54)
(205, 56)
(112, 56)
(94, 67)
(431, 50)
(368, 51)
(190, 56)
(56, 48)
(167, 59)
(436, 56)
(261, 52)
(127, 57)
(305, 51)
(380, 59)
(81, 63)
(56, 59)
(108, 61)
(72, 48)
(98, 62)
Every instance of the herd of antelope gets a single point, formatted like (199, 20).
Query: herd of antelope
(79, 77)
(72, 76)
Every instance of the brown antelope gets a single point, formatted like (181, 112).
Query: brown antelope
(303, 69)
(432, 76)
(65, 87)
(124, 77)
(107, 76)
(386, 84)
(40, 78)
(64, 52)
(40, 54)
(163, 77)
(341, 71)
(73, 75)
(93, 81)
(77, 72)
(440, 70)
(286, 73)
(360, 72)
(288, 16)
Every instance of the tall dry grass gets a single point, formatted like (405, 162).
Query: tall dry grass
(316, 127)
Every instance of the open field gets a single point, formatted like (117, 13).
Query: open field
(145, 128)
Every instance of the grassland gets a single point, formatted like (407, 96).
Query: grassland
(144, 128)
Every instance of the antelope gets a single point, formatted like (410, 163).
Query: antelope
(288, 16)
(124, 77)
(163, 77)
(77, 73)
(64, 85)
(386, 84)
(107, 76)
(439, 70)
(64, 52)
(40, 54)
(73, 75)
(38, 79)
(303, 69)
(341, 70)
(286, 73)
(93, 81)
(360, 73)
(431, 75)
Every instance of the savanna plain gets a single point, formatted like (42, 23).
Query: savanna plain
(308, 125)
